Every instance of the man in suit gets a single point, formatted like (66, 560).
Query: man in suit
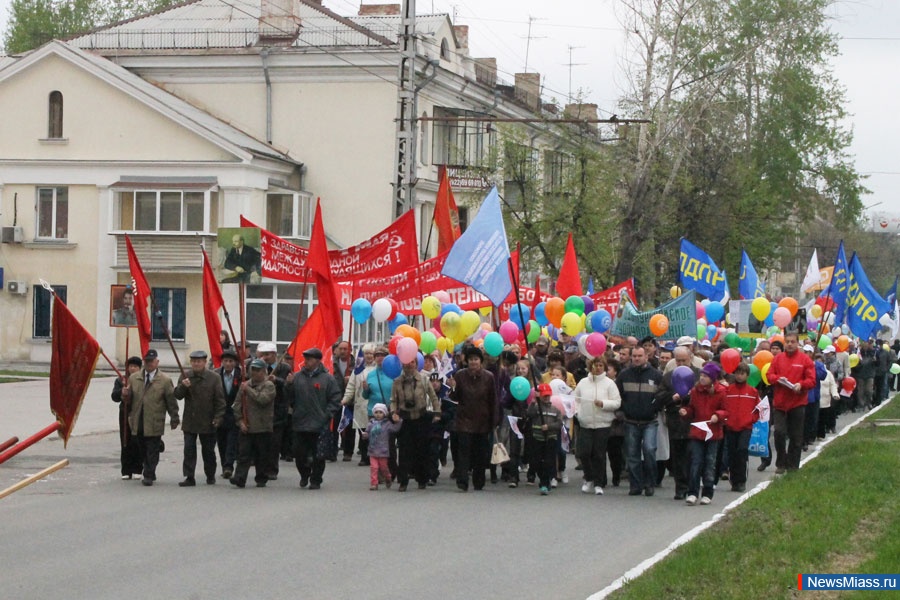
(227, 432)
(125, 315)
(241, 261)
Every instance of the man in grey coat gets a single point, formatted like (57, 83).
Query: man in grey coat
(204, 410)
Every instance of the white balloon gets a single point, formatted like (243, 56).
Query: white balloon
(836, 331)
(381, 310)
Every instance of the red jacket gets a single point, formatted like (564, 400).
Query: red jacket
(705, 403)
(740, 400)
(797, 368)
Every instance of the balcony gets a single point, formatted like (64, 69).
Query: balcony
(170, 253)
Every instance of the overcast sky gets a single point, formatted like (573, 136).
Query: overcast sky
(867, 66)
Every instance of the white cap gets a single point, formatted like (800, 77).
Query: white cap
(267, 347)
(706, 344)
(829, 349)
(685, 340)
(808, 348)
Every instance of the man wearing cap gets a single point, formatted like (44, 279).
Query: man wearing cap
(477, 413)
(254, 408)
(131, 453)
(685, 341)
(637, 387)
(412, 397)
(539, 354)
(316, 400)
(792, 374)
(227, 432)
(151, 396)
(277, 373)
(204, 409)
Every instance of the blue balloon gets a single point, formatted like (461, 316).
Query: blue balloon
(601, 320)
(553, 332)
(682, 380)
(445, 308)
(711, 331)
(715, 311)
(420, 361)
(392, 366)
(398, 320)
(540, 316)
(520, 320)
(361, 310)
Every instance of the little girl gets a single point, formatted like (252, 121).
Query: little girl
(378, 433)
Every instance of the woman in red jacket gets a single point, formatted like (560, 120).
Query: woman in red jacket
(706, 413)
(740, 402)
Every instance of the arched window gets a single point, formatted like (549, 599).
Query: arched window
(55, 120)
(445, 49)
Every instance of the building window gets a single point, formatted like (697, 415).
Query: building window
(462, 143)
(43, 309)
(53, 213)
(370, 332)
(163, 210)
(556, 169)
(445, 49)
(463, 218)
(520, 174)
(289, 214)
(171, 303)
(55, 118)
(273, 312)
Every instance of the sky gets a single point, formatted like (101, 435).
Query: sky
(587, 34)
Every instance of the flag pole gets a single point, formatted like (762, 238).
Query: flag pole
(165, 329)
(30, 441)
(227, 317)
(127, 340)
(821, 327)
(242, 306)
(515, 280)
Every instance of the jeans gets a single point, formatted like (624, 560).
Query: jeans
(703, 466)
(590, 446)
(308, 463)
(208, 449)
(640, 454)
(737, 443)
(788, 427)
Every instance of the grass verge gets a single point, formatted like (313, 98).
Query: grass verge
(838, 514)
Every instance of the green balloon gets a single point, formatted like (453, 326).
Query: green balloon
(733, 340)
(428, 343)
(701, 331)
(755, 376)
(534, 331)
(824, 341)
(895, 369)
(493, 343)
(575, 304)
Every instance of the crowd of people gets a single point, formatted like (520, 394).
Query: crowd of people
(620, 414)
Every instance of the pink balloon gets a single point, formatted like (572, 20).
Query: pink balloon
(406, 350)
(443, 296)
(781, 317)
(595, 344)
(509, 331)
(701, 311)
(557, 402)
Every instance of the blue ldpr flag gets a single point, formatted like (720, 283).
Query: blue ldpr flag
(837, 288)
(864, 305)
(749, 286)
(480, 257)
(891, 295)
(360, 365)
(590, 287)
(698, 271)
(346, 419)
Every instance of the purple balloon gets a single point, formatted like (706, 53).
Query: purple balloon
(589, 306)
(682, 380)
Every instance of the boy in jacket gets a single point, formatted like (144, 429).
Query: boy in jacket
(740, 402)
(546, 423)
(707, 409)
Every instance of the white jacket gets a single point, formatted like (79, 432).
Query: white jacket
(596, 387)
(828, 390)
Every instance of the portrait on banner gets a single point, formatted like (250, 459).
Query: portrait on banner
(242, 262)
(121, 306)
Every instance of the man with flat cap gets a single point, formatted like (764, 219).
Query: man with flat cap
(204, 409)
(254, 410)
(227, 432)
(316, 399)
(151, 396)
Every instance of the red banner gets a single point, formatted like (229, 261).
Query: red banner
(74, 354)
(608, 299)
(388, 252)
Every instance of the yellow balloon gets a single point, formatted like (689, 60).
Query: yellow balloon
(854, 360)
(431, 307)
(764, 373)
(760, 308)
(816, 311)
(572, 323)
(674, 291)
(450, 325)
(486, 310)
(469, 323)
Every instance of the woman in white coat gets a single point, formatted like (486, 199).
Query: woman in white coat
(596, 400)
(353, 397)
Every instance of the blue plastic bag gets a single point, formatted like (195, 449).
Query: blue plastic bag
(759, 439)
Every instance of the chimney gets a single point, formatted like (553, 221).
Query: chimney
(367, 10)
(486, 71)
(528, 89)
(462, 35)
(279, 21)
(582, 111)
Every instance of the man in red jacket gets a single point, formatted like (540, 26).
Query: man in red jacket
(792, 375)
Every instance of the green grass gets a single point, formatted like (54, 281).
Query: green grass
(19, 373)
(838, 514)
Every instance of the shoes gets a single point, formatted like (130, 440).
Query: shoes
(388, 483)
(363, 463)
(373, 488)
(431, 482)
(315, 486)
(124, 477)
(586, 487)
(443, 462)
(725, 475)
(227, 474)
(635, 492)
(598, 491)
(422, 486)
(762, 467)
(494, 478)
(691, 500)
(648, 491)
(462, 487)
(236, 482)
(272, 477)
(565, 478)
(740, 487)
(615, 482)
(260, 484)
(545, 491)
(211, 480)
(679, 497)
(513, 484)
(304, 481)
(805, 448)
(347, 458)
(189, 482)
(780, 471)
(147, 482)
(704, 500)
(554, 483)
(402, 487)
(478, 488)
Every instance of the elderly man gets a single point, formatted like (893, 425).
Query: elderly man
(316, 400)
(637, 387)
(414, 400)
(477, 413)
(204, 410)
(277, 373)
(254, 406)
(227, 432)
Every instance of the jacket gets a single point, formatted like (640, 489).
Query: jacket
(637, 387)
(154, 401)
(353, 396)
(235, 386)
(548, 415)
(379, 389)
(678, 429)
(379, 436)
(475, 395)
(797, 368)
(204, 402)
(740, 401)
(591, 388)
(812, 396)
(316, 399)
(828, 391)
(257, 403)
(412, 396)
(279, 373)
(705, 403)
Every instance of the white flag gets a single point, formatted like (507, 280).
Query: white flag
(763, 408)
(514, 425)
(704, 426)
(812, 274)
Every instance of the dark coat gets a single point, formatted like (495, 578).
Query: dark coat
(204, 402)
(316, 399)
(155, 402)
(230, 397)
(637, 387)
(256, 402)
(476, 398)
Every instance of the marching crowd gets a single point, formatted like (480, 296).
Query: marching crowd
(620, 414)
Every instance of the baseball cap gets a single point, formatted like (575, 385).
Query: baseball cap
(267, 347)
(685, 340)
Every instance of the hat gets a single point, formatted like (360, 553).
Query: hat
(711, 370)
(380, 406)
(669, 346)
(470, 350)
(312, 353)
(229, 354)
(151, 354)
(380, 351)
(706, 344)
(267, 347)
(544, 389)
(685, 340)
(649, 339)
(257, 363)
(435, 377)
(571, 349)
(199, 354)
(808, 348)
(134, 360)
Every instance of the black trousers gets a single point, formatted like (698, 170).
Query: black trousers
(255, 448)
(130, 458)
(208, 449)
(227, 441)
(590, 446)
(474, 455)
(308, 464)
(545, 456)
(348, 440)
(616, 456)
(788, 428)
(275, 450)
(149, 448)
(738, 443)
(680, 463)
(413, 441)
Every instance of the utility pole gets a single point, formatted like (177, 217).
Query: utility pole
(571, 64)
(405, 172)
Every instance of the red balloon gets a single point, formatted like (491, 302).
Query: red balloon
(730, 359)
(395, 308)
(392, 345)
(849, 384)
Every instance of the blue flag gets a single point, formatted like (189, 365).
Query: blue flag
(864, 305)
(699, 272)
(479, 258)
(891, 295)
(590, 287)
(360, 365)
(837, 289)
(749, 286)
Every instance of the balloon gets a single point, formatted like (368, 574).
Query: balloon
(450, 325)
(824, 342)
(361, 310)
(849, 383)
(420, 361)
(761, 358)
(790, 304)
(589, 305)
(682, 380)
(837, 331)
(552, 332)
(493, 343)
(514, 316)
(701, 310)
(764, 373)
(442, 296)
(392, 366)
(701, 331)
(395, 308)
(540, 315)
(659, 325)
(571, 323)
(431, 307)
(406, 350)
(469, 322)
(396, 321)
(555, 309)
(595, 344)
(557, 403)
(601, 320)
(760, 308)
(381, 310)
(450, 307)
(777, 338)
(730, 359)
(575, 304)
(754, 377)
(444, 345)
(519, 387)
(485, 310)
(410, 332)
(854, 360)
(715, 312)
(816, 311)
(674, 291)
(581, 340)
(732, 340)
(532, 331)
(711, 331)
(428, 342)
(773, 332)
(782, 317)
(509, 331)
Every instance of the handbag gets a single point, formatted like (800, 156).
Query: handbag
(759, 439)
(325, 448)
(499, 455)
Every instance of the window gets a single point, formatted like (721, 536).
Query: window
(556, 169)
(462, 143)
(53, 213)
(273, 310)
(520, 173)
(445, 49)
(463, 218)
(370, 331)
(163, 210)
(55, 116)
(171, 303)
(43, 309)
(289, 214)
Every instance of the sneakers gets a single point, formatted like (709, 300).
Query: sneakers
(704, 500)
(227, 474)
(565, 477)
(586, 487)
(598, 491)
(554, 483)
(780, 471)
(513, 484)
(373, 488)
(691, 500)
(545, 491)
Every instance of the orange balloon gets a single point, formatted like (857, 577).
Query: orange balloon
(761, 358)
(659, 325)
(777, 338)
(842, 343)
(554, 311)
(410, 332)
(790, 304)
(478, 343)
(825, 328)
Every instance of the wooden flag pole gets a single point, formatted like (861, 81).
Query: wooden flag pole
(30, 441)
(9, 443)
(29, 480)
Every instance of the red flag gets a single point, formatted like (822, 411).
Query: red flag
(212, 303)
(74, 354)
(569, 282)
(325, 325)
(446, 215)
(141, 298)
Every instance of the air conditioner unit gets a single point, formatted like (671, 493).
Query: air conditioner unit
(12, 235)
(17, 287)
